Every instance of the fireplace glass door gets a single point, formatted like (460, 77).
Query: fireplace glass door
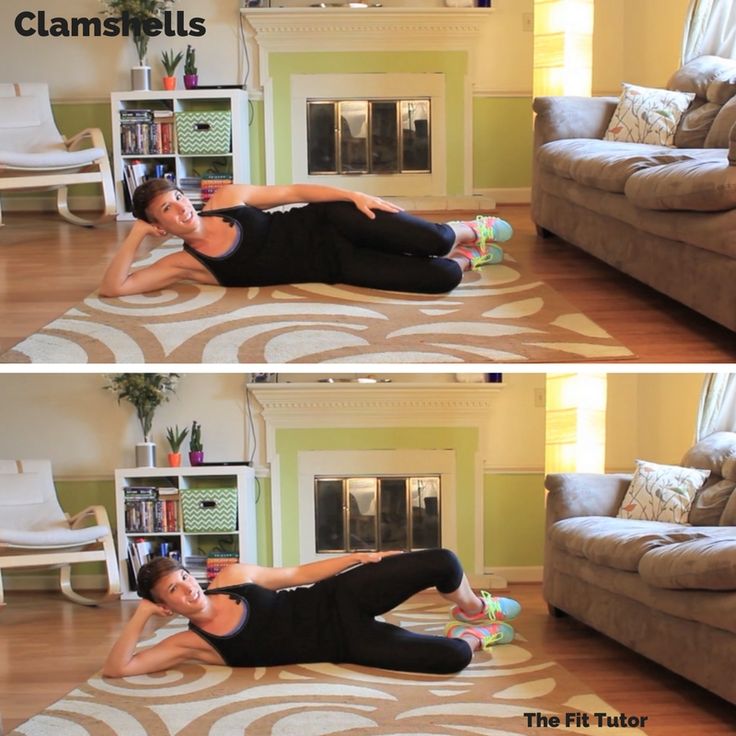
(377, 513)
(368, 136)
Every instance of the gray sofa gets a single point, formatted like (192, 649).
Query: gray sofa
(664, 215)
(667, 591)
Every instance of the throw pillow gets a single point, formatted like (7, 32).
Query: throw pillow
(646, 115)
(661, 492)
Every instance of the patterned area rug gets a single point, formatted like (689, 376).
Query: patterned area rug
(489, 698)
(497, 314)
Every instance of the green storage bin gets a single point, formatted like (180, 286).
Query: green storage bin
(209, 509)
(203, 131)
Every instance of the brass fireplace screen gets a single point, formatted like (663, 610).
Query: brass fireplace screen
(368, 136)
(376, 513)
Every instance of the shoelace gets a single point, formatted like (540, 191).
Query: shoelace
(492, 605)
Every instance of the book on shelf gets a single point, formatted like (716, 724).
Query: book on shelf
(197, 566)
(147, 132)
(151, 515)
(210, 183)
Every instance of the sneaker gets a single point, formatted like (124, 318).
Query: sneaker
(487, 635)
(489, 229)
(480, 255)
(494, 609)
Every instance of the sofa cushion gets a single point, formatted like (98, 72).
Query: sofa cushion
(605, 165)
(696, 124)
(661, 492)
(702, 564)
(720, 130)
(617, 543)
(647, 115)
(710, 501)
(710, 77)
(707, 184)
(711, 452)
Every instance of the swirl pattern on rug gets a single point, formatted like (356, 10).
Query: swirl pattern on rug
(489, 698)
(497, 314)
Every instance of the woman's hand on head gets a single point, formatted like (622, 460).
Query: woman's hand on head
(366, 203)
(150, 609)
(145, 229)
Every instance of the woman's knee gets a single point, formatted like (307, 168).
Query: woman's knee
(450, 571)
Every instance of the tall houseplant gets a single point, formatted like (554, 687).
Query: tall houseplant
(138, 11)
(146, 392)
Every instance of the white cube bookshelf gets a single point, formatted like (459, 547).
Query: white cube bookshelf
(236, 162)
(243, 540)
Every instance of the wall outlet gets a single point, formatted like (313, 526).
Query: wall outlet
(527, 22)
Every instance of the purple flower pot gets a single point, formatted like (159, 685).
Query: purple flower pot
(190, 81)
(196, 457)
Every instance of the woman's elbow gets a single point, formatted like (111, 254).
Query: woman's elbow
(110, 671)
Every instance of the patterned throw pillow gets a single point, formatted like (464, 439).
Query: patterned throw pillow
(646, 115)
(661, 492)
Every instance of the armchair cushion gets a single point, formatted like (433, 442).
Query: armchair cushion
(59, 536)
(50, 158)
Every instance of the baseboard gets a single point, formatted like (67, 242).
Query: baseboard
(530, 574)
(520, 195)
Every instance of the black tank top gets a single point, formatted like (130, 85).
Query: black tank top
(279, 627)
(289, 247)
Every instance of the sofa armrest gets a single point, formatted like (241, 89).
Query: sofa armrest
(584, 494)
(732, 146)
(572, 117)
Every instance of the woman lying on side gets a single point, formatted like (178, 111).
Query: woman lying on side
(338, 237)
(247, 619)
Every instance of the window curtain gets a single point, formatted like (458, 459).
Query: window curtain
(710, 28)
(717, 411)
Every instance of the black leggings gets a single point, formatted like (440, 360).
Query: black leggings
(394, 251)
(375, 588)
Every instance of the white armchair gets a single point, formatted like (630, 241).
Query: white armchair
(34, 155)
(35, 532)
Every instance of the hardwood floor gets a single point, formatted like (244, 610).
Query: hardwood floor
(48, 265)
(49, 645)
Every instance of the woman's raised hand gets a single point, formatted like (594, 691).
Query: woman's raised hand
(142, 229)
(366, 203)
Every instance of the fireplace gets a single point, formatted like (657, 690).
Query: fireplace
(412, 62)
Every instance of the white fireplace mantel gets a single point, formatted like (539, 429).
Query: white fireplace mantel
(361, 29)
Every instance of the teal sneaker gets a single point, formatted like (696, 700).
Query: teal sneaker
(488, 229)
(494, 609)
(480, 255)
(488, 635)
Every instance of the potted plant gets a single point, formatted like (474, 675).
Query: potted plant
(138, 11)
(196, 451)
(176, 437)
(146, 391)
(170, 63)
(190, 68)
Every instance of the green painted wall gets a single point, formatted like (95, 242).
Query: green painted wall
(464, 441)
(502, 142)
(513, 524)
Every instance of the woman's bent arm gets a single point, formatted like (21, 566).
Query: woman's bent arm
(123, 661)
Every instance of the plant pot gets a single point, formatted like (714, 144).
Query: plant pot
(169, 83)
(140, 77)
(190, 81)
(196, 457)
(174, 459)
(145, 455)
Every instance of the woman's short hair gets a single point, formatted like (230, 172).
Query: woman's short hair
(152, 572)
(145, 193)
